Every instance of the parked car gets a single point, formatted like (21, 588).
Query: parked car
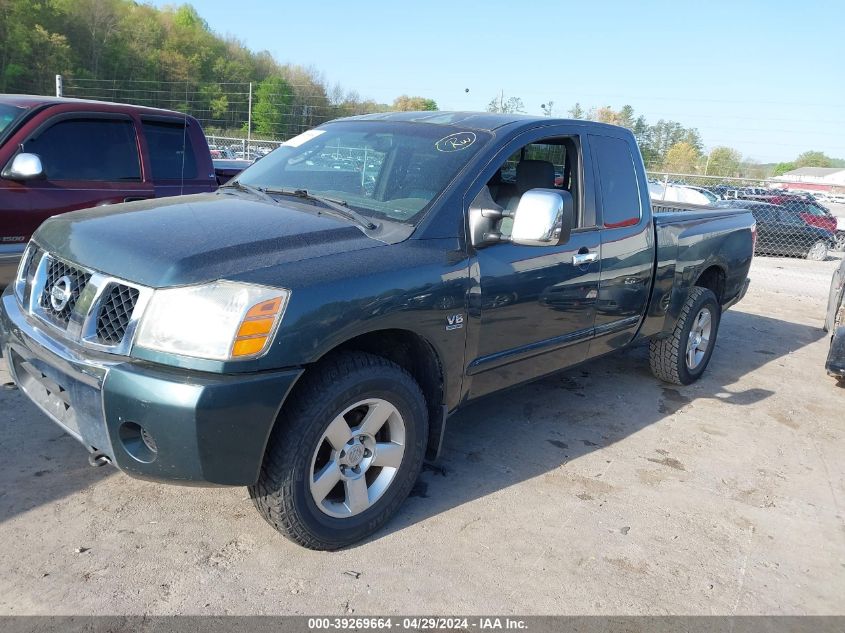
(221, 153)
(811, 211)
(783, 231)
(661, 192)
(227, 169)
(712, 198)
(58, 155)
(299, 334)
(834, 323)
(731, 192)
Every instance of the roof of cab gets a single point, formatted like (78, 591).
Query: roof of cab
(487, 121)
(32, 101)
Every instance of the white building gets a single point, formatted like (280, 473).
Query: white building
(813, 178)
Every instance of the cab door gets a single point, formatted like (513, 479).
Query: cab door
(89, 159)
(533, 307)
(627, 241)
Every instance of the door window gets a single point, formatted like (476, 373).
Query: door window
(88, 149)
(547, 164)
(620, 190)
(171, 152)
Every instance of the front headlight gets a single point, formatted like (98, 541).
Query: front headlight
(222, 320)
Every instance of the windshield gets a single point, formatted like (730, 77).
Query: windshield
(8, 114)
(383, 170)
(806, 207)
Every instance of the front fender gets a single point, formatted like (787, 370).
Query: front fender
(418, 286)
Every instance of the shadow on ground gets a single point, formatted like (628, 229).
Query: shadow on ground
(493, 444)
(530, 430)
(39, 463)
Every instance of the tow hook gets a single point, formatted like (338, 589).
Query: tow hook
(98, 459)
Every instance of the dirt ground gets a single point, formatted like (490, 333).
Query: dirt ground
(598, 490)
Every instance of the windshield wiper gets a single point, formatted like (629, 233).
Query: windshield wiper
(256, 191)
(339, 206)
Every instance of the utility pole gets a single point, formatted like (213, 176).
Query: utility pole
(58, 85)
(248, 149)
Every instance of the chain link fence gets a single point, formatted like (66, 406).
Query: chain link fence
(790, 222)
(230, 147)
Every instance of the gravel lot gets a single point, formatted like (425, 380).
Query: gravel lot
(598, 490)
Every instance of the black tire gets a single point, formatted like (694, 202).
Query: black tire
(817, 251)
(282, 494)
(667, 355)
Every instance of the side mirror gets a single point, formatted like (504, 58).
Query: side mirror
(24, 167)
(543, 218)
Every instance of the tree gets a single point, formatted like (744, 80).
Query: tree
(547, 108)
(511, 105)
(723, 161)
(655, 140)
(607, 115)
(782, 168)
(577, 112)
(404, 103)
(682, 158)
(271, 106)
(626, 117)
(813, 159)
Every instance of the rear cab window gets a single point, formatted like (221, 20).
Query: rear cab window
(618, 184)
(170, 149)
(88, 148)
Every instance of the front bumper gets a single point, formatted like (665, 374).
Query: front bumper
(10, 256)
(205, 428)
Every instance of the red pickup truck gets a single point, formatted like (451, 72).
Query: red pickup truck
(59, 155)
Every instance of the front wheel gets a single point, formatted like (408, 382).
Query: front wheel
(682, 357)
(345, 452)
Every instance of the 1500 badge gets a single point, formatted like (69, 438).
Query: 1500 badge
(454, 322)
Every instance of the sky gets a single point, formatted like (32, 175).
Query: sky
(764, 77)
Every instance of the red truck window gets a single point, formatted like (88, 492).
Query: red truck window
(88, 149)
(171, 152)
(620, 192)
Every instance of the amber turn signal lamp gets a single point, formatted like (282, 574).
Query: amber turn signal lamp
(257, 327)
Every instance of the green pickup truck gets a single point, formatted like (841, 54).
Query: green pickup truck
(307, 329)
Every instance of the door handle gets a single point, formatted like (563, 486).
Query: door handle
(579, 259)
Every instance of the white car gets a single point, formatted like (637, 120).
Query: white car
(679, 193)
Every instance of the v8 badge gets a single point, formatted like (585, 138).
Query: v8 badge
(454, 322)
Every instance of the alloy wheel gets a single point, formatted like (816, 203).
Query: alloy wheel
(357, 458)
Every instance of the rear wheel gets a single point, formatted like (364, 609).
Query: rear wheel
(345, 452)
(817, 252)
(682, 357)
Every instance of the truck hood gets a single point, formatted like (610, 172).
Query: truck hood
(195, 239)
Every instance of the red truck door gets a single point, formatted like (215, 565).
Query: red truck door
(89, 159)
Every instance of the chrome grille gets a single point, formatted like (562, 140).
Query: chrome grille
(88, 307)
(115, 312)
(77, 280)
